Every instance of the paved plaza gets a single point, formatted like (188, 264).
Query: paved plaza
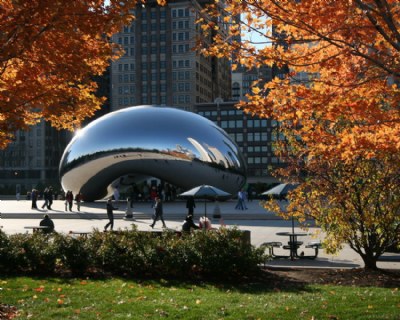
(263, 225)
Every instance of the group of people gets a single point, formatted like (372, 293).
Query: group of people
(158, 214)
(48, 197)
(69, 200)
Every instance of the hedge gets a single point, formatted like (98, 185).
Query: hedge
(221, 253)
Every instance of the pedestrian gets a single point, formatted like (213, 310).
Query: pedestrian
(153, 196)
(190, 205)
(50, 197)
(129, 211)
(241, 201)
(189, 224)
(45, 198)
(34, 196)
(110, 215)
(47, 222)
(158, 213)
(18, 191)
(78, 199)
(217, 210)
(69, 198)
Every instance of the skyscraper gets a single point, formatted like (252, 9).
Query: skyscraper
(160, 65)
(32, 159)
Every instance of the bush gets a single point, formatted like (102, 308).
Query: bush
(35, 253)
(5, 253)
(72, 253)
(218, 254)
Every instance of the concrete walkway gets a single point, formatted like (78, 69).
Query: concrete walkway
(263, 225)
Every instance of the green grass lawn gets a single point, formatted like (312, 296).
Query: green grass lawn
(134, 299)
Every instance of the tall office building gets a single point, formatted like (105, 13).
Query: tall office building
(32, 159)
(160, 65)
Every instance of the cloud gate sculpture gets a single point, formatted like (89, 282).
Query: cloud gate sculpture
(132, 144)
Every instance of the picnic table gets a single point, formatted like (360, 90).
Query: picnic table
(293, 245)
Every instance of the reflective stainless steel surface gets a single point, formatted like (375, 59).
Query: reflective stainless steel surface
(179, 147)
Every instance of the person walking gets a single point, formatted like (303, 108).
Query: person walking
(190, 205)
(34, 196)
(110, 214)
(69, 198)
(50, 197)
(78, 200)
(45, 198)
(129, 211)
(239, 204)
(158, 213)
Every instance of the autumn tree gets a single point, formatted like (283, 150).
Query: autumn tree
(50, 51)
(337, 106)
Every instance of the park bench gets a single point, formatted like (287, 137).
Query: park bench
(36, 228)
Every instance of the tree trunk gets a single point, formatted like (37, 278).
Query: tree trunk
(370, 261)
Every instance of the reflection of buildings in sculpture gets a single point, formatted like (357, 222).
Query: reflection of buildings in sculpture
(141, 142)
(255, 137)
(185, 151)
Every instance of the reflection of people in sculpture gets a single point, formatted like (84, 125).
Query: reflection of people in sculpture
(116, 194)
(188, 225)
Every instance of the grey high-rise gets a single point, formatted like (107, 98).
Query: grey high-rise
(160, 65)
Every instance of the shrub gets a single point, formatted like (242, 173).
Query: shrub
(72, 253)
(35, 253)
(218, 254)
(5, 254)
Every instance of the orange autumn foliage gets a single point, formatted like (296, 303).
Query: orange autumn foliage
(344, 62)
(338, 109)
(50, 52)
